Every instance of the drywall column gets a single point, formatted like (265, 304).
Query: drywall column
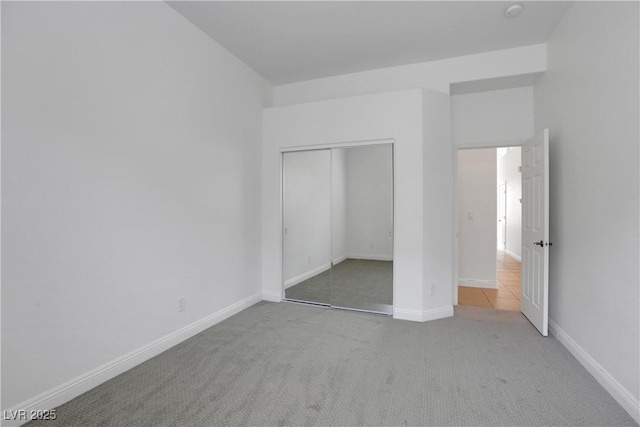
(438, 205)
(395, 116)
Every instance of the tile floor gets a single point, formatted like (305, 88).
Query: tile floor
(506, 297)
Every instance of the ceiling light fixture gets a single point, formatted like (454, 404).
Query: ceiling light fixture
(513, 10)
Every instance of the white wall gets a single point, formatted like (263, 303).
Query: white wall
(399, 116)
(306, 215)
(489, 119)
(492, 118)
(131, 177)
(477, 205)
(589, 101)
(434, 75)
(438, 202)
(509, 171)
(370, 202)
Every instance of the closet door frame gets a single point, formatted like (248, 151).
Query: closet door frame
(329, 146)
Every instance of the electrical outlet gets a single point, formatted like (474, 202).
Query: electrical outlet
(309, 259)
(372, 245)
(432, 291)
(182, 304)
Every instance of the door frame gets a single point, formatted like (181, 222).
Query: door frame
(456, 216)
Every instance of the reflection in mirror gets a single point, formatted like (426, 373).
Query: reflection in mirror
(362, 228)
(307, 226)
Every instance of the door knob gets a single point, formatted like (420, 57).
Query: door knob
(540, 243)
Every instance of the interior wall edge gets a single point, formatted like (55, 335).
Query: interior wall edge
(75, 387)
(606, 380)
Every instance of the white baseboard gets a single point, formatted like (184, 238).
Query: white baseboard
(606, 380)
(338, 260)
(423, 316)
(272, 296)
(512, 255)
(477, 283)
(73, 388)
(306, 275)
(372, 257)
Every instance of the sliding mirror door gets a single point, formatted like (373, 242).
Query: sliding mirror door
(338, 227)
(307, 226)
(362, 228)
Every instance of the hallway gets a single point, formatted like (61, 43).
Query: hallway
(506, 297)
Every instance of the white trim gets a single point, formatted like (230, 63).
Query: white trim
(512, 255)
(306, 275)
(437, 313)
(403, 314)
(338, 260)
(423, 316)
(628, 402)
(272, 296)
(75, 387)
(348, 144)
(372, 257)
(478, 283)
(490, 144)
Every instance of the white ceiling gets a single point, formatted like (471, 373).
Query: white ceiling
(290, 41)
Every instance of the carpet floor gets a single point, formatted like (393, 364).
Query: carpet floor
(281, 364)
(352, 283)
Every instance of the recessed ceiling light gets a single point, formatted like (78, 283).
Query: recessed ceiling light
(513, 10)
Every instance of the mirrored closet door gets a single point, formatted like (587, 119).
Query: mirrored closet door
(338, 227)
(306, 233)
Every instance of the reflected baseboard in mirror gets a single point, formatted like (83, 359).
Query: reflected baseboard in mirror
(316, 290)
(358, 284)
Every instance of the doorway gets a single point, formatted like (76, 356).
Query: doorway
(489, 227)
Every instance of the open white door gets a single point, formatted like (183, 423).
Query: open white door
(535, 231)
